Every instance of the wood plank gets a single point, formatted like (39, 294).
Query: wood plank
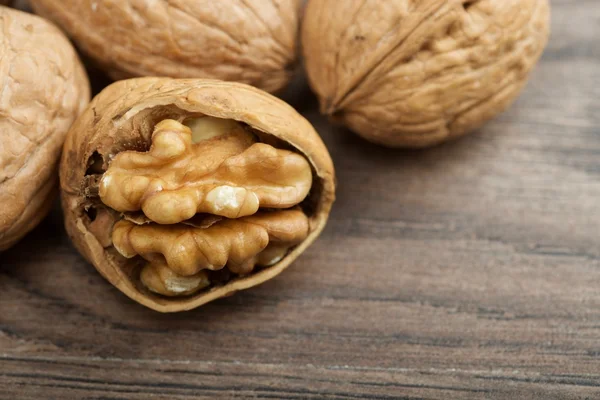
(471, 270)
(142, 379)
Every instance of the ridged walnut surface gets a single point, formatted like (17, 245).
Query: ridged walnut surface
(44, 88)
(229, 176)
(123, 118)
(406, 73)
(249, 41)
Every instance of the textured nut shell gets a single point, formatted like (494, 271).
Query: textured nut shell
(407, 73)
(122, 117)
(44, 88)
(250, 41)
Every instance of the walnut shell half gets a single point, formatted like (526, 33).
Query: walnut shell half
(251, 41)
(44, 88)
(184, 191)
(405, 73)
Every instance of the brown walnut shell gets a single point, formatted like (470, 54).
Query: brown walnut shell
(129, 115)
(405, 73)
(44, 88)
(251, 41)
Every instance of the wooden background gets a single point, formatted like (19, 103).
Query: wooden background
(468, 271)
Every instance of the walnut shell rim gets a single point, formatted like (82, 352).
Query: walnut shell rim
(119, 119)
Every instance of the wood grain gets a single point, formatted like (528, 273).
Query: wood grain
(469, 271)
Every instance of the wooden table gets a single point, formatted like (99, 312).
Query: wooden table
(471, 270)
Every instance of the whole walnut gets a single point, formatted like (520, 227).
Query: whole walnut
(183, 191)
(44, 88)
(250, 41)
(405, 73)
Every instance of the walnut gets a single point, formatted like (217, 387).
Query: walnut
(251, 41)
(184, 191)
(174, 180)
(44, 88)
(406, 73)
(240, 244)
(228, 176)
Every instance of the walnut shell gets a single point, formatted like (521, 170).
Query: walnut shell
(252, 41)
(405, 73)
(44, 88)
(128, 115)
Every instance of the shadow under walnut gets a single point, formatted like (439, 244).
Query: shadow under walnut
(183, 191)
